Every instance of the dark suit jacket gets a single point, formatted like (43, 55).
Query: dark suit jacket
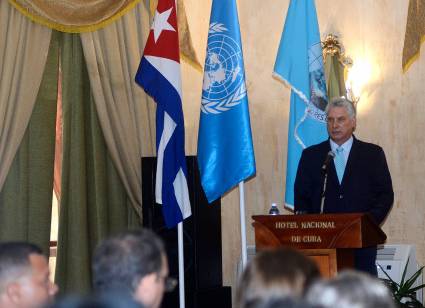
(366, 185)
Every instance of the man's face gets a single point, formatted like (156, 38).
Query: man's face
(151, 287)
(340, 125)
(35, 289)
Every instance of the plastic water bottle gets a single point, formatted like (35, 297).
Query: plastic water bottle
(273, 209)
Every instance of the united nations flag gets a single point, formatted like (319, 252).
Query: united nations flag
(225, 150)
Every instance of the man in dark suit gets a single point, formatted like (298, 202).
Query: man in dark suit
(358, 179)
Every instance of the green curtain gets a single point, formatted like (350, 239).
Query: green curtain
(334, 72)
(26, 197)
(93, 201)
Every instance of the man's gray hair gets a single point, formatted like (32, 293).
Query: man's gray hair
(342, 102)
(351, 289)
(121, 261)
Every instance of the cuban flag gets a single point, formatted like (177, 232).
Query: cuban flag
(159, 75)
(225, 148)
(299, 63)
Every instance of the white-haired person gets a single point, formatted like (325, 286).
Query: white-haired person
(351, 289)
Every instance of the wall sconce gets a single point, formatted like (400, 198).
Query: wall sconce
(352, 74)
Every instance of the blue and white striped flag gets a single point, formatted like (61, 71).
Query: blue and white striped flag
(299, 63)
(225, 150)
(159, 75)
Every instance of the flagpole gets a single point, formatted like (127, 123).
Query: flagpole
(181, 264)
(220, 171)
(243, 227)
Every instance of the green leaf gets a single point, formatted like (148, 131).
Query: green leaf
(417, 288)
(409, 283)
(404, 272)
(415, 275)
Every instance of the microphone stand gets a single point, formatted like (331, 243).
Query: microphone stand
(325, 167)
(322, 202)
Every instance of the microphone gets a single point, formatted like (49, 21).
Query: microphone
(328, 158)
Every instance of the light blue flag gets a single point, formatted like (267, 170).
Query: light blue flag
(299, 63)
(225, 150)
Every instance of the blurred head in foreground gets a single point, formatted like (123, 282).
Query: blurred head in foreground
(351, 289)
(133, 263)
(24, 276)
(277, 273)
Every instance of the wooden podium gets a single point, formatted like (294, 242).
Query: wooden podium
(328, 238)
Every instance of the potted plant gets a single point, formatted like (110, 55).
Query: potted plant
(404, 292)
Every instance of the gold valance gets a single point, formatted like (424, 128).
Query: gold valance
(74, 16)
(415, 33)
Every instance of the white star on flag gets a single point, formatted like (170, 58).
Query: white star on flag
(160, 23)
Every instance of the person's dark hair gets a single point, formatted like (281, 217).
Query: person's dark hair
(279, 302)
(351, 289)
(276, 273)
(14, 260)
(110, 300)
(120, 262)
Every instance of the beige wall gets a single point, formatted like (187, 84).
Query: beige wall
(391, 109)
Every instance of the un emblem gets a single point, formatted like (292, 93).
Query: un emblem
(224, 85)
(318, 100)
